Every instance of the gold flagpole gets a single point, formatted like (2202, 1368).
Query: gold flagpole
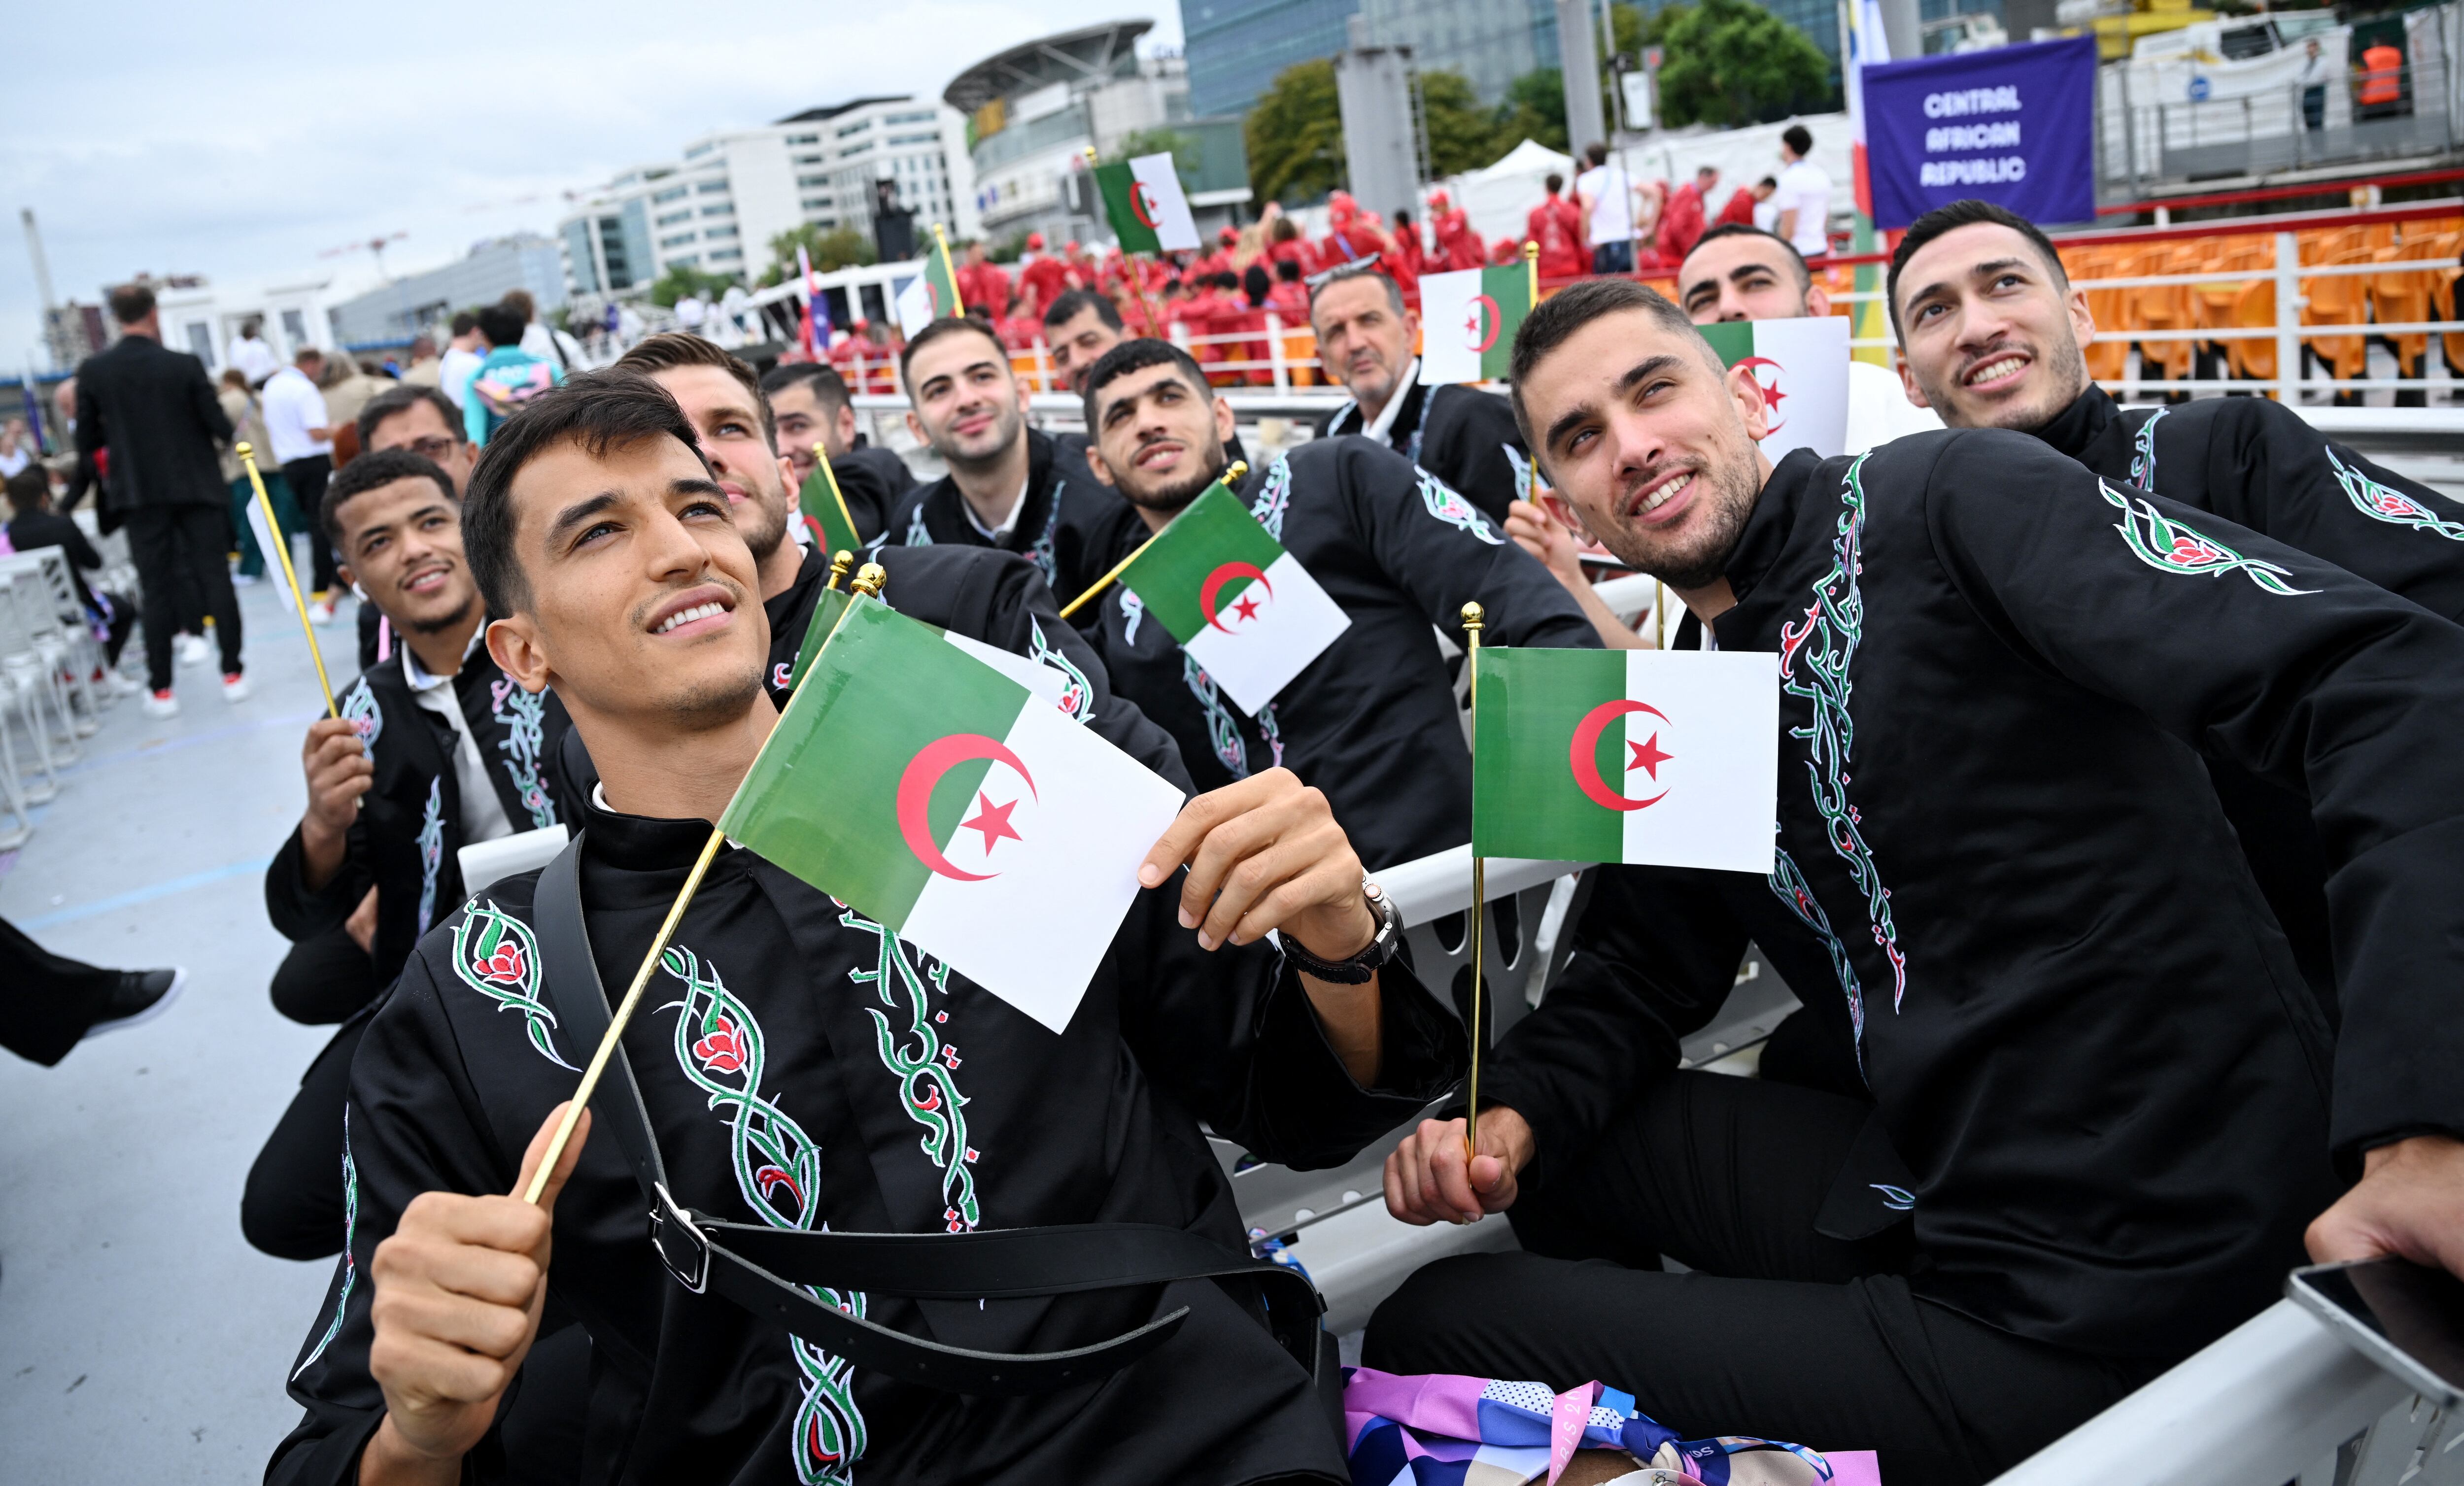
(1233, 474)
(868, 581)
(1531, 274)
(949, 272)
(830, 477)
(1473, 618)
(839, 563)
(282, 549)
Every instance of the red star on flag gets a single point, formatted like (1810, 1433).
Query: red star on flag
(1773, 396)
(991, 821)
(1247, 607)
(1648, 757)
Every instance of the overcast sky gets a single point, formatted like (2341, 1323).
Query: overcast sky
(241, 141)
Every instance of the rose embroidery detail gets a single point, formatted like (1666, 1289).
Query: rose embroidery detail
(493, 955)
(2192, 552)
(722, 1051)
(505, 968)
(2170, 546)
(2382, 503)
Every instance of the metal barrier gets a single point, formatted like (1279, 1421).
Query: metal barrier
(2148, 143)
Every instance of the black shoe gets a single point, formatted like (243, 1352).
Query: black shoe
(141, 996)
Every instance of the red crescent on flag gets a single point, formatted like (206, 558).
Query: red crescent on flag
(1221, 576)
(1142, 205)
(924, 770)
(1752, 362)
(1492, 317)
(1584, 757)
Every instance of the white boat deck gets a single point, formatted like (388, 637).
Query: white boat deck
(141, 1338)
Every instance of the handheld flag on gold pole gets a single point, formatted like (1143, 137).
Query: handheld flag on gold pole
(824, 508)
(1233, 474)
(1473, 618)
(1096, 172)
(282, 549)
(868, 581)
(839, 563)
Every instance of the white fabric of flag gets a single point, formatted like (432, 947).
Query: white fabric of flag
(914, 306)
(1175, 229)
(1257, 641)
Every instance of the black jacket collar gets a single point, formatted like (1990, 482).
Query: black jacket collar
(2075, 427)
(1774, 520)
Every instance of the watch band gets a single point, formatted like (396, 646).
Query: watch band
(1360, 968)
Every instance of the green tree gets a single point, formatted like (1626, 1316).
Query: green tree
(1733, 62)
(683, 278)
(1462, 134)
(1295, 136)
(1534, 108)
(831, 248)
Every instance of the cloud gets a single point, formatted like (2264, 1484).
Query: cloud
(243, 143)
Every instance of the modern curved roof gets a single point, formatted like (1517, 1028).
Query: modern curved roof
(1065, 56)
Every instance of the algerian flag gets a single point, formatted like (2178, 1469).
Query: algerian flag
(1802, 367)
(1143, 200)
(1469, 320)
(825, 509)
(931, 295)
(933, 794)
(1666, 757)
(1242, 606)
(1044, 681)
(271, 550)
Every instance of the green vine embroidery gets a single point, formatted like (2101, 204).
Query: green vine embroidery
(922, 1062)
(778, 1172)
(2169, 546)
(495, 954)
(2392, 506)
(350, 1259)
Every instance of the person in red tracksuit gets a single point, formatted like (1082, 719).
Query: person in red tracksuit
(1557, 225)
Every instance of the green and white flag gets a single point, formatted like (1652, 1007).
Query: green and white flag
(1666, 757)
(1802, 367)
(931, 295)
(1240, 604)
(931, 792)
(1468, 322)
(1144, 202)
(824, 511)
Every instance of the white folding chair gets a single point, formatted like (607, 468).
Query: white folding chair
(48, 643)
(21, 693)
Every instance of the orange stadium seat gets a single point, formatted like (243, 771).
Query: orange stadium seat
(2339, 300)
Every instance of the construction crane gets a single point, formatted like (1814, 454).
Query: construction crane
(375, 246)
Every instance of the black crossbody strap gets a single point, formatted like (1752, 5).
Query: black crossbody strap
(765, 1269)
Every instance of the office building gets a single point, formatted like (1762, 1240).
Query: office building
(393, 313)
(1237, 46)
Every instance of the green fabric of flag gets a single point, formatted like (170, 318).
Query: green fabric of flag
(1527, 800)
(1132, 214)
(832, 603)
(1170, 573)
(825, 510)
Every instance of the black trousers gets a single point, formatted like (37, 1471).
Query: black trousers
(292, 1207)
(172, 545)
(307, 478)
(49, 1000)
(1781, 1332)
(324, 979)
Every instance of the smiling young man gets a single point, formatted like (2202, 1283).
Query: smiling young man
(1373, 721)
(1463, 436)
(1010, 486)
(2103, 1110)
(435, 749)
(423, 420)
(1994, 333)
(801, 1067)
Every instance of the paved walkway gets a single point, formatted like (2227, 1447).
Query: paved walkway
(141, 1338)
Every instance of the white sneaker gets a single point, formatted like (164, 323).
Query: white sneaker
(234, 689)
(193, 649)
(122, 684)
(322, 614)
(245, 580)
(161, 703)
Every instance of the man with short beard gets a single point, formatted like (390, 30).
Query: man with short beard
(2101, 1111)
(434, 751)
(1994, 332)
(1010, 486)
(1079, 327)
(802, 1070)
(811, 410)
(1463, 436)
(1373, 721)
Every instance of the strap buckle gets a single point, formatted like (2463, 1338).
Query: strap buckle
(673, 1234)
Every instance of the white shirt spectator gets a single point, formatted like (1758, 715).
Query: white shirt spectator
(292, 406)
(456, 370)
(552, 346)
(253, 358)
(691, 311)
(1610, 196)
(1806, 190)
(1767, 214)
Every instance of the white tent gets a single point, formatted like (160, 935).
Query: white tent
(1499, 198)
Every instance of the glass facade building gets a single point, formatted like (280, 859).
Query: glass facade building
(1236, 47)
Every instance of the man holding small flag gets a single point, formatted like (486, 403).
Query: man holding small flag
(810, 408)
(1010, 486)
(2099, 1108)
(801, 1072)
(1316, 604)
(1418, 405)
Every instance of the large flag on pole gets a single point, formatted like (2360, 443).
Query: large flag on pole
(933, 794)
(1240, 604)
(931, 293)
(817, 307)
(1865, 44)
(269, 547)
(1665, 758)
(1802, 367)
(1144, 202)
(1468, 322)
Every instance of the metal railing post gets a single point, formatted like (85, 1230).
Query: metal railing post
(2288, 318)
(1275, 352)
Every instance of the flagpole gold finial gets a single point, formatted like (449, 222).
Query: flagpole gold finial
(1235, 473)
(244, 449)
(1473, 617)
(869, 579)
(840, 561)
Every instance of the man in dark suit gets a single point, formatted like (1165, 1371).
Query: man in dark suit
(155, 413)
